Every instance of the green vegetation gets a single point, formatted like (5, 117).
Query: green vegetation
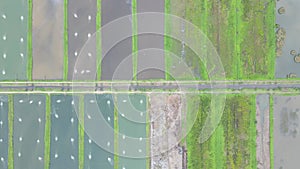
(10, 132)
(47, 139)
(29, 42)
(167, 41)
(233, 144)
(81, 132)
(65, 75)
(271, 132)
(99, 43)
(116, 143)
(134, 39)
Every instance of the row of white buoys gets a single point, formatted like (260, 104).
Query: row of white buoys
(76, 16)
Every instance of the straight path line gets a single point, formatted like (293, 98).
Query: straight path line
(10, 132)
(47, 139)
(66, 46)
(29, 41)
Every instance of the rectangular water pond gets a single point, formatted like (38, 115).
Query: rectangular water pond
(64, 132)
(132, 130)
(99, 118)
(13, 42)
(29, 127)
(81, 27)
(3, 131)
(286, 131)
(47, 39)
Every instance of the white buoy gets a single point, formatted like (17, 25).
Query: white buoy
(37, 141)
(89, 35)
(3, 16)
(22, 18)
(1, 140)
(82, 72)
(123, 137)
(108, 144)
(22, 55)
(39, 120)
(108, 101)
(20, 120)
(75, 15)
(141, 101)
(72, 120)
(140, 150)
(89, 17)
(21, 40)
(90, 141)
(40, 102)
(89, 117)
(20, 139)
(75, 34)
(1, 104)
(4, 55)
(89, 54)
(72, 157)
(31, 101)
(56, 155)
(2, 159)
(141, 138)
(90, 156)
(72, 140)
(92, 101)
(40, 158)
(4, 37)
(58, 101)
(124, 152)
(87, 71)
(21, 101)
(108, 118)
(124, 101)
(123, 167)
(75, 53)
(19, 154)
(3, 72)
(141, 114)
(72, 102)
(122, 115)
(108, 159)
(56, 138)
(1, 122)
(56, 115)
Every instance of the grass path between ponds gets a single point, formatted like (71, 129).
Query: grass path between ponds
(98, 39)
(81, 132)
(65, 75)
(47, 139)
(134, 39)
(29, 41)
(10, 132)
(116, 132)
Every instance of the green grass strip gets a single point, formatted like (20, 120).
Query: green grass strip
(81, 132)
(29, 42)
(116, 145)
(271, 132)
(10, 132)
(98, 38)
(134, 39)
(47, 139)
(271, 20)
(65, 75)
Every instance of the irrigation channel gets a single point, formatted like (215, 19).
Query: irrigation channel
(282, 85)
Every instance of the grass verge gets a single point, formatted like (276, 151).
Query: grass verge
(65, 75)
(81, 132)
(134, 39)
(29, 41)
(47, 139)
(99, 41)
(116, 143)
(10, 132)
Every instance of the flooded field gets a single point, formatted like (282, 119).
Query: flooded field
(95, 156)
(132, 129)
(286, 131)
(123, 49)
(3, 131)
(289, 20)
(13, 39)
(29, 127)
(64, 132)
(81, 27)
(151, 64)
(47, 39)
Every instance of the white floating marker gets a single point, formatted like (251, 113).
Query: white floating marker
(89, 117)
(40, 158)
(75, 34)
(90, 141)
(72, 140)
(92, 101)
(90, 156)
(140, 150)
(141, 101)
(72, 157)
(39, 120)
(72, 120)
(108, 101)
(58, 101)
(4, 55)
(123, 151)
(108, 118)
(108, 144)
(89, 54)
(3, 72)
(4, 37)
(87, 71)
(89, 35)
(22, 55)
(31, 101)
(75, 15)
(56, 115)
(123, 167)
(72, 102)
(141, 138)
(3, 16)
(123, 137)
(1, 104)
(21, 40)
(21, 101)
(56, 138)
(20, 120)
(82, 72)
(1, 122)
(141, 114)
(1, 140)
(122, 115)
(108, 159)
(124, 101)
(2, 159)
(75, 53)
(20, 139)
(37, 141)
(56, 155)
(40, 102)
(19, 154)
(89, 17)
(22, 18)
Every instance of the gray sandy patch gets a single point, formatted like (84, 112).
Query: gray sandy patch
(48, 39)
(286, 131)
